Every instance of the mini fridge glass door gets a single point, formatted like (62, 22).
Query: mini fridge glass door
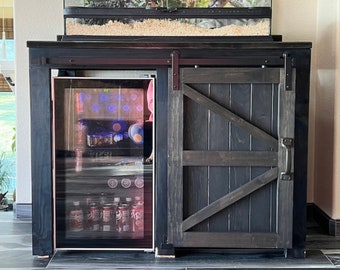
(103, 187)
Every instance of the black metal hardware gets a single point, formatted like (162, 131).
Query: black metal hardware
(142, 13)
(288, 63)
(288, 144)
(254, 61)
(167, 9)
(175, 70)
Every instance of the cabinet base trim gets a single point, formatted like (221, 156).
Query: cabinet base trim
(331, 226)
(22, 211)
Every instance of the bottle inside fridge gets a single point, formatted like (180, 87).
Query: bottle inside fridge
(103, 184)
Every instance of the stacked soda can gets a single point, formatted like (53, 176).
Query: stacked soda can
(93, 217)
(123, 218)
(103, 214)
(107, 218)
(137, 215)
(76, 218)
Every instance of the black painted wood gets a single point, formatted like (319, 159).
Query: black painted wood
(160, 142)
(234, 118)
(230, 240)
(229, 199)
(41, 169)
(155, 53)
(229, 158)
(285, 187)
(248, 198)
(302, 61)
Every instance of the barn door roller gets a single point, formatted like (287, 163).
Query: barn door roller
(175, 70)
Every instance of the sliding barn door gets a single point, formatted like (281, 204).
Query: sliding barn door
(230, 159)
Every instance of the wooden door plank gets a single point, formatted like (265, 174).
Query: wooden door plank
(235, 119)
(219, 180)
(229, 158)
(285, 188)
(229, 199)
(240, 140)
(231, 75)
(195, 134)
(262, 214)
(230, 240)
(175, 171)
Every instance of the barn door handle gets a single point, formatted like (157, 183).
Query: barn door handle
(288, 143)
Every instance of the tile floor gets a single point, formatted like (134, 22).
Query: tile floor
(323, 252)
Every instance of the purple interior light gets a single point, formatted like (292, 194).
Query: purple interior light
(103, 97)
(111, 108)
(82, 96)
(139, 108)
(95, 107)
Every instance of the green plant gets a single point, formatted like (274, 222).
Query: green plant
(4, 177)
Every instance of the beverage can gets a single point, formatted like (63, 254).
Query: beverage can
(123, 218)
(106, 217)
(76, 218)
(93, 217)
(137, 217)
(115, 213)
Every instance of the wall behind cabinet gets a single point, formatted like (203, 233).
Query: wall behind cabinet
(303, 20)
(34, 20)
(319, 22)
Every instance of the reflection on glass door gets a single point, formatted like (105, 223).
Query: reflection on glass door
(103, 186)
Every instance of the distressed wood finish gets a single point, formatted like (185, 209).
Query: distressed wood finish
(175, 175)
(231, 240)
(229, 157)
(229, 199)
(231, 75)
(41, 147)
(239, 121)
(285, 187)
(196, 156)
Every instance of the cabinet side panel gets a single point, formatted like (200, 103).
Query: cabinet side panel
(42, 220)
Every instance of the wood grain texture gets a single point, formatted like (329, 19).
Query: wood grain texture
(229, 154)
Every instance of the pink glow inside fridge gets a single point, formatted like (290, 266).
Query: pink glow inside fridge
(103, 182)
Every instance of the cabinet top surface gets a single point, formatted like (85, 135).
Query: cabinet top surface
(168, 43)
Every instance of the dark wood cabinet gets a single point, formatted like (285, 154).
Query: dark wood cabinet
(231, 127)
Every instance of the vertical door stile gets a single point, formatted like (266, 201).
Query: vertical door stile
(286, 161)
(175, 164)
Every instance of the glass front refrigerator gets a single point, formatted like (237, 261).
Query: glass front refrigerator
(103, 177)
